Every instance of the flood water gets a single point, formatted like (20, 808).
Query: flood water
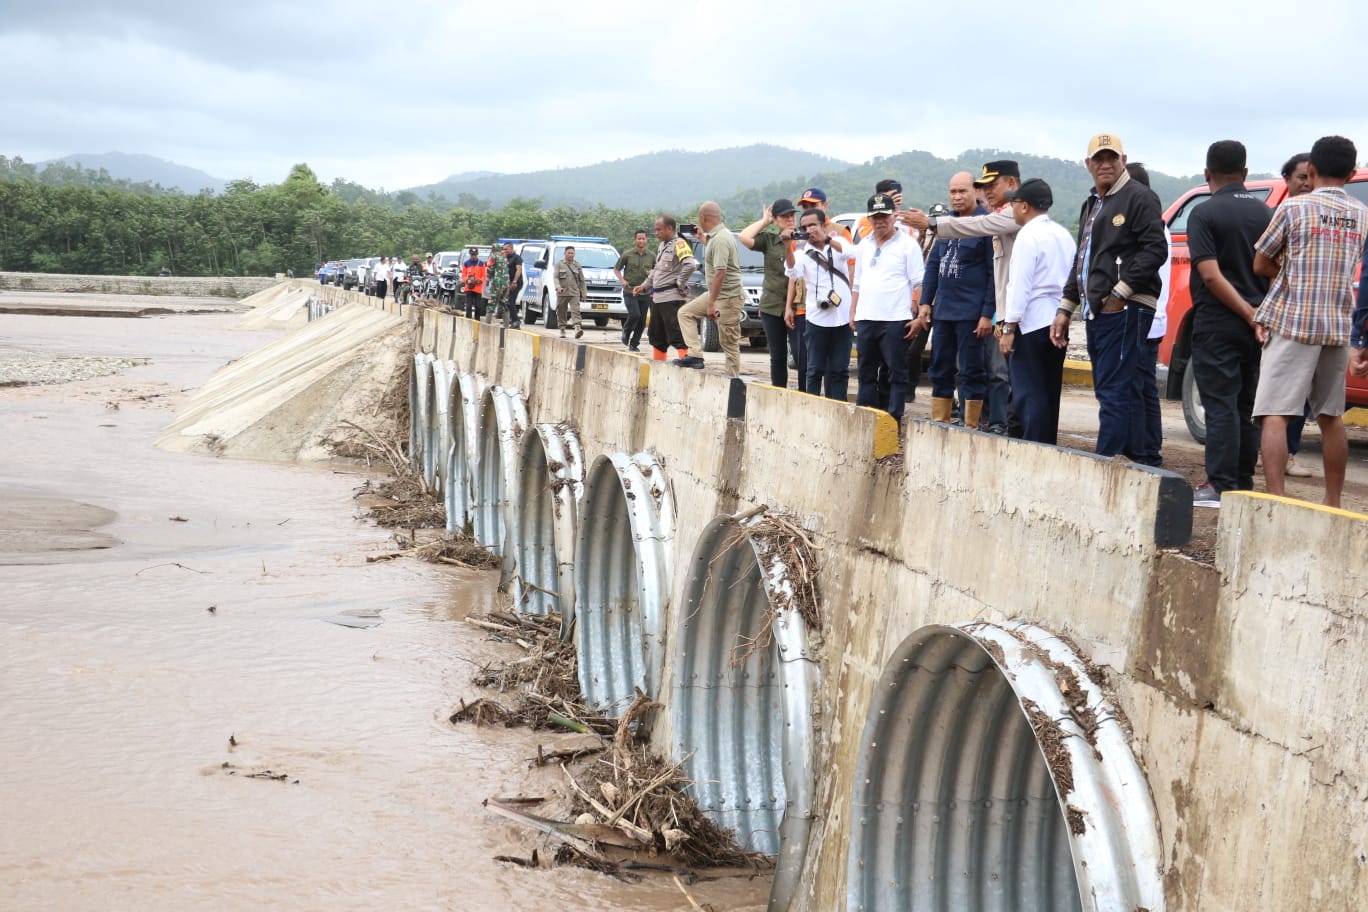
(120, 688)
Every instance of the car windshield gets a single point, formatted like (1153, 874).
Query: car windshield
(751, 260)
(448, 259)
(593, 257)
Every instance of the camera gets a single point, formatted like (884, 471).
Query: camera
(688, 230)
(800, 234)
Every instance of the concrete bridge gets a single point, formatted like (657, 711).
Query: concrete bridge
(1014, 693)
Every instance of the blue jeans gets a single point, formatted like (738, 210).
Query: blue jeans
(1037, 379)
(955, 349)
(638, 306)
(1116, 348)
(999, 386)
(880, 344)
(1148, 441)
(828, 360)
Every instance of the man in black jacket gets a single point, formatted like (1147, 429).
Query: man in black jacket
(1115, 278)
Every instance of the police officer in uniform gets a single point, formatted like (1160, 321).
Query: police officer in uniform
(667, 285)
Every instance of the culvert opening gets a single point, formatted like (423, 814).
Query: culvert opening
(458, 492)
(742, 712)
(501, 424)
(994, 775)
(622, 579)
(443, 377)
(430, 430)
(548, 483)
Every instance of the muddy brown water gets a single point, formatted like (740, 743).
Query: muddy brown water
(120, 689)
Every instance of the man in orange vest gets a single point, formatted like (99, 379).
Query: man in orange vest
(472, 280)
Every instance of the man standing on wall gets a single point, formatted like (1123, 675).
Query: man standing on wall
(959, 288)
(571, 293)
(1115, 279)
(724, 298)
(631, 270)
(496, 287)
(1225, 290)
(819, 261)
(1309, 250)
(668, 285)
(888, 273)
(772, 238)
(382, 273)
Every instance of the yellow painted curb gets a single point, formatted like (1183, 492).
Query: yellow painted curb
(1294, 502)
(1077, 373)
(885, 436)
(643, 374)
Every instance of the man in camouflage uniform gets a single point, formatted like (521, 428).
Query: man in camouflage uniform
(667, 285)
(571, 291)
(496, 285)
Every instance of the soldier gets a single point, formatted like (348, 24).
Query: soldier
(667, 285)
(570, 292)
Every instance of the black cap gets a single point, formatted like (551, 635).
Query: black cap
(782, 207)
(880, 203)
(995, 169)
(1035, 192)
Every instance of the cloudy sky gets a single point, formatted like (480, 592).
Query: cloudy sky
(406, 93)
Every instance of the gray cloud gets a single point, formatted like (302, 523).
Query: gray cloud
(404, 96)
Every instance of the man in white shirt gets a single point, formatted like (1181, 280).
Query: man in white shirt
(1042, 256)
(888, 273)
(820, 262)
(382, 274)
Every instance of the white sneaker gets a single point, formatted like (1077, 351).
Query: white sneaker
(1297, 470)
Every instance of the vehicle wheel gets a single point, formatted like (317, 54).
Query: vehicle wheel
(1193, 413)
(712, 342)
(758, 341)
(548, 314)
(600, 321)
(529, 315)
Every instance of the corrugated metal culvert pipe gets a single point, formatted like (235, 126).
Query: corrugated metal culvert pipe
(502, 423)
(420, 410)
(547, 485)
(742, 710)
(622, 578)
(994, 774)
(439, 432)
(463, 412)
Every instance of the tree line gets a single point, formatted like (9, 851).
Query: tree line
(84, 222)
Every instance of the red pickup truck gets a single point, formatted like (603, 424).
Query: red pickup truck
(1176, 347)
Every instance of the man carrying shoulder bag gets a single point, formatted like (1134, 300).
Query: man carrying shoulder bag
(819, 263)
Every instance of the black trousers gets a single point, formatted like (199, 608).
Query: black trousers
(1037, 368)
(638, 306)
(474, 305)
(664, 328)
(1226, 368)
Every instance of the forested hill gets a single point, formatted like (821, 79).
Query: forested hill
(925, 178)
(141, 169)
(669, 180)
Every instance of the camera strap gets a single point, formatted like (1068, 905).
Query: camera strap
(828, 264)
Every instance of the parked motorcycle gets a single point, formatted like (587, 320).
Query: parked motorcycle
(448, 287)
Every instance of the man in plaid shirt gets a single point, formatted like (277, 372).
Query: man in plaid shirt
(1309, 251)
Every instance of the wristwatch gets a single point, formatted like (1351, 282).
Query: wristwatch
(1006, 329)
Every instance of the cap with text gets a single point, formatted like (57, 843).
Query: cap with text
(880, 204)
(1104, 142)
(813, 195)
(1035, 193)
(995, 169)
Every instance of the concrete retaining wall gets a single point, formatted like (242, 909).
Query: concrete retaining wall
(216, 286)
(1240, 683)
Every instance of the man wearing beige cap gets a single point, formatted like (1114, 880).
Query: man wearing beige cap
(1115, 281)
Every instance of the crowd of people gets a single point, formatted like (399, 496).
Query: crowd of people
(998, 286)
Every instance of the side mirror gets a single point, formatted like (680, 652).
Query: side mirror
(540, 264)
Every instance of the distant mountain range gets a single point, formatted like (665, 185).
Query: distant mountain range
(670, 179)
(144, 169)
(742, 179)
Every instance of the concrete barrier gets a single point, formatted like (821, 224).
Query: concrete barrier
(213, 286)
(989, 608)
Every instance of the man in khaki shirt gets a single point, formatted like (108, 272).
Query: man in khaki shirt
(724, 298)
(571, 291)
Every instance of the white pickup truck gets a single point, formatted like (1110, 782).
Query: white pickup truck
(595, 255)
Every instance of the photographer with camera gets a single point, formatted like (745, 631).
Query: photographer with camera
(819, 259)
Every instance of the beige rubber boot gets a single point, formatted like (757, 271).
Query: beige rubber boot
(973, 409)
(941, 406)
